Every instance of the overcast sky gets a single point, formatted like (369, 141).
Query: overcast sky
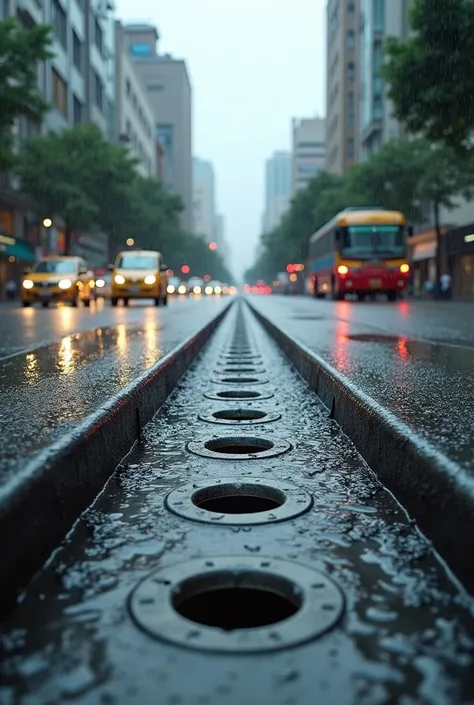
(253, 65)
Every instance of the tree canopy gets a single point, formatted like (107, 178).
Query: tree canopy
(90, 184)
(403, 175)
(20, 52)
(431, 74)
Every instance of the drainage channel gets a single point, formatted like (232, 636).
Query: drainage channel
(259, 565)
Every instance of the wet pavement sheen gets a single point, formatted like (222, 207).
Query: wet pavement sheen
(414, 358)
(47, 390)
(407, 632)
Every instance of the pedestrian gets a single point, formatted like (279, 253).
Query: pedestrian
(10, 289)
(445, 282)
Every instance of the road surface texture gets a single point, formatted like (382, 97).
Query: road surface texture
(191, 581)
(414, 358)
(46, 390)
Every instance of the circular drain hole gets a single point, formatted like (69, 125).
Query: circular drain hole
(231, 502)
(236, 604)
(238, 447)
(242, 370)
(237, 395)
(240, 416)
(240, 380)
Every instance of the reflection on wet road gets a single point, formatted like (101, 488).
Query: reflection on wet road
(47, 390)
(417, 359)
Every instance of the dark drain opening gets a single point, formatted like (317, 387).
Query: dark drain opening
(236, 380)
(237, 498)
(258, 600)
(240, 414)
(235, 394)
(240, 370)
(239, 445)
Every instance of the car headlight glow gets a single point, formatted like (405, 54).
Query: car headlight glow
(65, 284)
(182, 289)
(119, 279)
(197, 290)
(170, 289)
(100, 283)
(217, 290)
(28, 284)
(91, 283)
(208, 290)
(150, 279)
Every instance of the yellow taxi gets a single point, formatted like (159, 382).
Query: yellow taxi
(58, 278)
(139, 274)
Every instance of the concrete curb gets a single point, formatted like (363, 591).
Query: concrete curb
(39, 506)
(435, 491)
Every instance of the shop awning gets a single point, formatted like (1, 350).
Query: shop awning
(425, 250)
(11, 246)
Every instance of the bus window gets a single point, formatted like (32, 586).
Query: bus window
(365, 241)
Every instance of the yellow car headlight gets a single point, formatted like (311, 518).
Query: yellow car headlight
(197, 290)
(217, 290)
(170, 289)
(27, 284)
(65, 284)
(100, 283)
(208, 290)
(182, 290)
(150, 279)
(118, 279)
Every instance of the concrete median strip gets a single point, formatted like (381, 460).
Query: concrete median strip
(39, 506)
(435, 491)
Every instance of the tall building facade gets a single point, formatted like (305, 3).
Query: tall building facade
(378, 20)
(204, 210)
(308, 150)
(134, 121)
(167, 85)
(278, 171)
(341, 84)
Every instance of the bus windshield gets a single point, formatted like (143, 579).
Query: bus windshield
(132, 261)
(373, 241)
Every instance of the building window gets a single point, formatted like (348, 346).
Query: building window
(378, 15)
(77, 51)
(350, 6)
(98, 36)
(59, 94)
(128, 87)
(140, 49)
(350, 71)
(77, 110)
(59, 21)
(98, 91)
(154, 87)
(350, 40)
(350, 147)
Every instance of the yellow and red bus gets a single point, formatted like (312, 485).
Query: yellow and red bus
(360, 251)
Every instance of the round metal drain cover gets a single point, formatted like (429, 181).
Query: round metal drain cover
(240, 370)
(238, 395)
(236, 604)
(240, 417)
(235, 502)
(239, 447)
(240, 379)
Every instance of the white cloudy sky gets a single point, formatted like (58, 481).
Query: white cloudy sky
(253, 64)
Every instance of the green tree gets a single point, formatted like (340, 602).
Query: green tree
(80, 177)
(431, 75)
(20, 51)
(445, 176)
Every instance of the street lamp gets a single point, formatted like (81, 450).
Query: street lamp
(130, 242)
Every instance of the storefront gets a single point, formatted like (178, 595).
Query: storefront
(422, 254)
(15, 254)
(460, 251)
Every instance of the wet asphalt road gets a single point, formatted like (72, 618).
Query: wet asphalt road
(51, 386)
(415, 358)
(404, 634)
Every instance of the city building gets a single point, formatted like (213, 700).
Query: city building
(168, 88)
(134, 121)
(308, 151)
(278, 170)
(204, 210)
(220, 239)
(376, 122)
(341, 84)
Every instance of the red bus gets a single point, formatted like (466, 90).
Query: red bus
(360, 251)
